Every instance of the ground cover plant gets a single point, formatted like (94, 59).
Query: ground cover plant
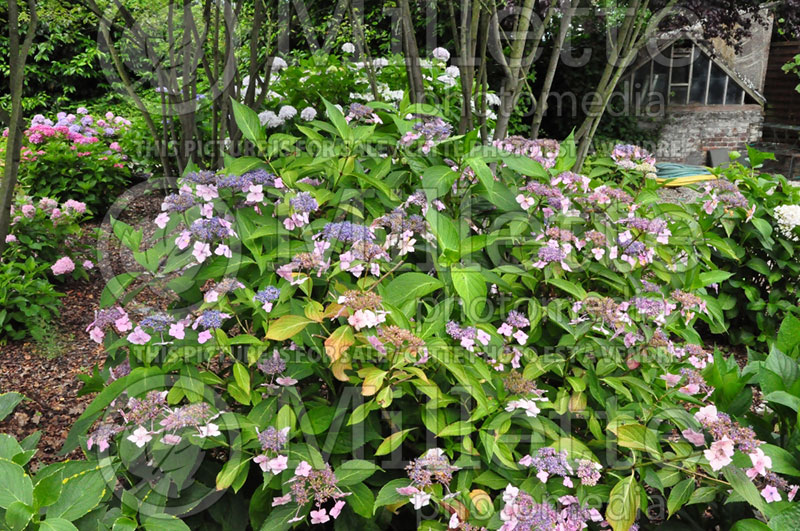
(386, 325)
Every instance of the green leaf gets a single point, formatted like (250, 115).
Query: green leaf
(623, 504)
(570, 287)
(18, 515)
(567, 156)
(15, 484)
(679, 495)
(243, 165)
(391, 442)
(437, 181)
(763, 226)
(242, 376)
(164, 522)
(317, 419)
(249, 124)
(278, 519)
(458, 428)
(130, 237)
(788, 334)
(83, 487)
(337, 119)
(47, 490)
(57, 524)
(783, 462)
(9, 447)
(757, 158)
(638, 437)
(526, 166)
(787, 519)
(471, 286)
(713, 277)
(354, 471)
(124, 523)
(744, 487)
(388, 494)
(377, 184)
(410, 286)
(445, 231)
(751, 524)
(232, 470)
(361, 499)
(287, 327)
(8, 401)
(784, 398)
(496, 191)
(115, 288)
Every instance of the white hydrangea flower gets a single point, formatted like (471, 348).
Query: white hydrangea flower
(278, 64)
(348, 47)
(287, 112)
(440, 54)
(246, 86)
(270, 119)
(788, 218)
(308, 114)
(447, 81)
(380, 62)
(492, 99)
(452, 71)
(393, 95)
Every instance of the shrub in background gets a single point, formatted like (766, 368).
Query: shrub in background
(43, 248)
(77, 156)
(761, 253)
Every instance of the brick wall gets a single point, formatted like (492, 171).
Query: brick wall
(690, 131)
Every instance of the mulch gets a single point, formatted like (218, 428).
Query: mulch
(46, 371)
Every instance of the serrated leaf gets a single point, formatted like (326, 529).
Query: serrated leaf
(679, 495)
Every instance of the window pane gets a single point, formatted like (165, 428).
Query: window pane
(640, 84)
(660, 78)
(681, 58)
(678, 96)
(716, 86)
(734, 96)
(697, 94)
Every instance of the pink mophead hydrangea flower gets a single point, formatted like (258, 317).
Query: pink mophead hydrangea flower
(63, 265)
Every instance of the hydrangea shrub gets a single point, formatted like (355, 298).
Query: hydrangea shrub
(389, 326)
(76, 156)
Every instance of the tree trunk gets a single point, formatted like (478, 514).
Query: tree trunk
(566, 21)
(518, 65)
(411, 51)
(362, 48)
(636, 31)
(18, 55)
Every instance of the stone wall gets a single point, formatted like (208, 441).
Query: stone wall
(690, 131)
